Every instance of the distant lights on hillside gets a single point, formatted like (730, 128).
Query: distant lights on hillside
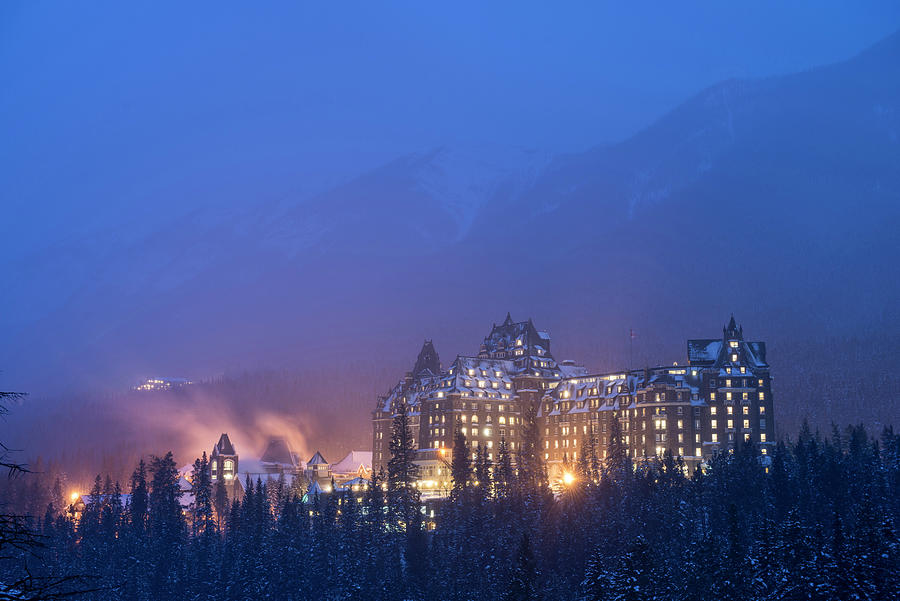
(162, 384)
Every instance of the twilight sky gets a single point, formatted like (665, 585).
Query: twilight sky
(118, 113)
(191, 189)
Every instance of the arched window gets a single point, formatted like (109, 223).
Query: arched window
(228, 468)
(212, 469)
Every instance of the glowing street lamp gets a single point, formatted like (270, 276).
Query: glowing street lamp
(568, 479)
(74, 496)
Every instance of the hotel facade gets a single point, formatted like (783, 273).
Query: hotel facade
(721, 394)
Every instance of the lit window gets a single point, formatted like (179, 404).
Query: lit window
(746, 410)
(697, 452)
(762, 396)
(733, 343)
(712, 410)
(730, 424)
(481, 383)
(764, 451)
(715, 437)
(728, 383)
(680, 424)
(734, 358)
(762, 410)
(762, 437)
(228, 467)
(681, 451)
(714, 424)
(729, 410)
(727, 396)
(712, 397)
(746, 424)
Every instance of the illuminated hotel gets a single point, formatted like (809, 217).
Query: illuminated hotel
(693, 410)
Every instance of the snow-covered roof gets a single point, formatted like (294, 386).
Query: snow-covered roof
(353, 462)
(316, 459)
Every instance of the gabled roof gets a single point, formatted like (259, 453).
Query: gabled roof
(515, 334)
(224, 446)
(316, 459)
(352, 462)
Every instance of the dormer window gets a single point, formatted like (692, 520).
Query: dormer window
(734, 358)
(743, 370)
(733, 343)
(519, 342)
(471, 372)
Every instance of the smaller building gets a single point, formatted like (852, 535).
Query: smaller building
(357, 464)
(318, 471)
(223, 465)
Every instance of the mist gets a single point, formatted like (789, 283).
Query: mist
(281, 204)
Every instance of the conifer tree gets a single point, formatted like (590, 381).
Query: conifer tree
(403, 473)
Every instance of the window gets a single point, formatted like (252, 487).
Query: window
(746, 424)
(471, 372)
(762, 410)
(697, 452)
(734, 357)
(680, 437)
(680, 424)
(762, 423)
(729, 410)
(762, 396)
(712, 396)
(730, 424)
(762, 437)
(697, 438)
(743, 370)
(712, 410)
(228, 467)
(733, 343)
(715, 437)
(746, 410)
(727, 383)
(481, 383)
(714, 424)
(744, 396)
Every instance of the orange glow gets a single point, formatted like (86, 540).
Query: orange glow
(568, 479)
(74, 496)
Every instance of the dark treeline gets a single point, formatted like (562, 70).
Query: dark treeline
(819, 521)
